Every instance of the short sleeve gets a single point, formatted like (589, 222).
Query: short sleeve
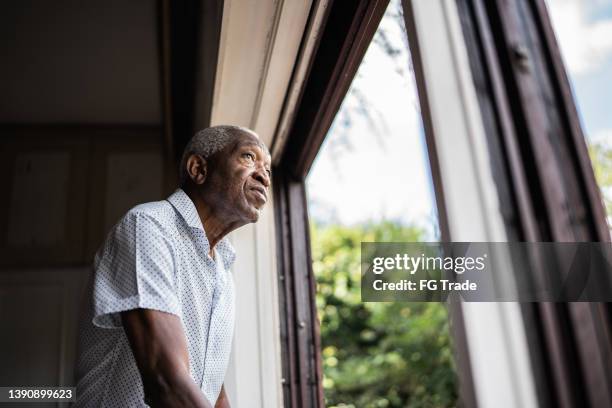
(135, 269)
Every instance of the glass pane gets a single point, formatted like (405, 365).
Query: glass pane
(371, 182)
(584, 32)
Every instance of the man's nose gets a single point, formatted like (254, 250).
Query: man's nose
(261, 175)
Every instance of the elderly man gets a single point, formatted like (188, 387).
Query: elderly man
(158, 324)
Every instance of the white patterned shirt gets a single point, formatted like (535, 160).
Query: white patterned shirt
(156, 257)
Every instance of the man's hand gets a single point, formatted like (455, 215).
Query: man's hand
(159, 346)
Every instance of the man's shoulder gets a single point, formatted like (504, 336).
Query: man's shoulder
(155, 209)
(156, 214)
(148, 222)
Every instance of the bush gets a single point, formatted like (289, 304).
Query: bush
(377, 354)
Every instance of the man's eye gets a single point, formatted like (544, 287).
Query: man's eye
(249, 156)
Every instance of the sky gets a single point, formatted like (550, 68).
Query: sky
(373, 164)
(584, 32)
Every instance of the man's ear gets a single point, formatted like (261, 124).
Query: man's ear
(197, 168)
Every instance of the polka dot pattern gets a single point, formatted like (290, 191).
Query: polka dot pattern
(155, 257)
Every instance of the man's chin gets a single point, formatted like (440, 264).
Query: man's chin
(252, 215)
(253, 210)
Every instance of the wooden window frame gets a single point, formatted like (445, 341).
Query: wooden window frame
(545, 177)
(347, 33)
(348, 30)
(546, 187)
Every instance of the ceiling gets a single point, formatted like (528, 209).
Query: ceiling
(71, 62)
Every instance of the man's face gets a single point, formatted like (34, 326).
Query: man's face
(240, 175)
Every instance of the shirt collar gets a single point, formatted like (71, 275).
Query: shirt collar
(185, 206)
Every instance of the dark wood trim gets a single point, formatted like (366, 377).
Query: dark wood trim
(349, 28)
(163, 46)
(207, 55)
(534, 129)
(304, 57)
(300, 335)
(499, 128)
(512, 184)
(571, 120)
(290, 365)
(348, 31)
(189, 45)
(183, 32)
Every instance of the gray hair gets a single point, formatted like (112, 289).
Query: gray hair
(206, 143)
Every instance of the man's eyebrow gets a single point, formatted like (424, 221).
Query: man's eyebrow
(249, 143)
(253, 143)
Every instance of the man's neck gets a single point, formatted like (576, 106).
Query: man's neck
(217, 224)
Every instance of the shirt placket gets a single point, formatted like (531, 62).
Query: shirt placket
(214, 320)
(212, 325)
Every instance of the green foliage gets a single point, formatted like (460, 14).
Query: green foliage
(377, 354)
(601, 158)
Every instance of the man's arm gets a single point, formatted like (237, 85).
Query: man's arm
(222, 401)
(159, 346)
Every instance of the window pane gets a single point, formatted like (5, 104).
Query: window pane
(371, 182)
(584, 32)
